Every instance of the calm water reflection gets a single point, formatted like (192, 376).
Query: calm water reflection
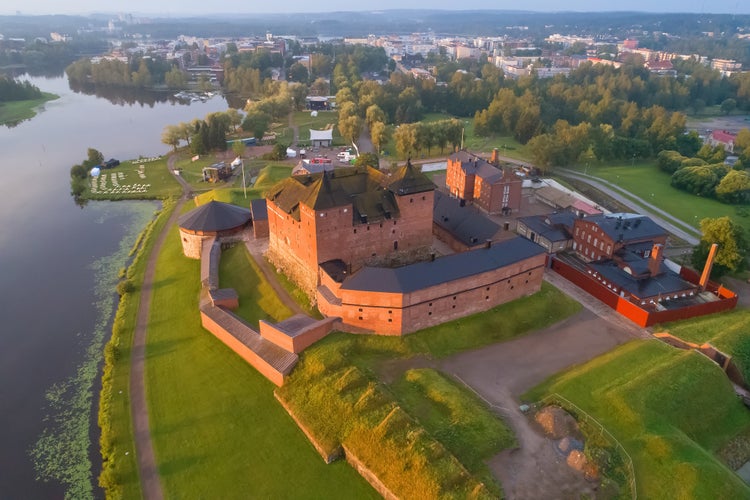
(48, 247)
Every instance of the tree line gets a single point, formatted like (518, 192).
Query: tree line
(138, 72)
(13, 90)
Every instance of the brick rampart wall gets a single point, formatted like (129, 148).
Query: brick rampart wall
(302, 340)
(242, 350)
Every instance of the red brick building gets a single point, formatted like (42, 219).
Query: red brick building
(351, 214)
(600, 237)
(410, 298)
(475, 180)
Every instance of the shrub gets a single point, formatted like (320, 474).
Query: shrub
(125, 287)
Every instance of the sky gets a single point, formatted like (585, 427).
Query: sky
(180, 8)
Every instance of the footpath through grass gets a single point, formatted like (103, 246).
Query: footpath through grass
(405, 438)
(216, 428)
(119, 477)
(670, 409)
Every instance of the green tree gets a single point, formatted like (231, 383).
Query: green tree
(732, 253)
(238, 147)
(734, 187)
(367, 160)
(298, 73)
(93, 158)
(374, 114)
(279, 151)
(175, 78)
(350, 127)
(406, 140)
(235, 118)
(171, 136)
(379, 135)
(728, 105)
(257, 122)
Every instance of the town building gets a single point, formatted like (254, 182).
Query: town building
(722, 138)
(473, 179)
(600, 237)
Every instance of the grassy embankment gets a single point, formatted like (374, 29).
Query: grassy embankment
(216, 428)
(14, 112)
(408, 434)
(728, 332)
(672, 410)
(119, 477)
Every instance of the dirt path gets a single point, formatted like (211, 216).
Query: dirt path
(501, 372)
(257, 248)
(144, 451)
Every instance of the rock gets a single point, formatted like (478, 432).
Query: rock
(578, 461)
(557, 423)
(568, 444)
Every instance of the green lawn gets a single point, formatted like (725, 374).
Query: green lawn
(133, 179)
(13, 112)
(270, 174)
(238, 270)
(728, 331)
(216, 428)
(456, 417)
(646, 180)
(672, 410)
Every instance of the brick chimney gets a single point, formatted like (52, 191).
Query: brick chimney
(709, 265)
(654, 261)
(494, 159)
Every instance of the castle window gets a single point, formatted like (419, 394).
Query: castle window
(488, 289)
(360, 318)
(429, 313)
(424, 198)
(395, 245)
(454, 297)
(390, 320)
(355, 231)
(381, 224)
(390, 312)
(360, 309)
(368, 228)
(486, 297)
(394, 222)
(430, 304)
(511, 287)
(454, 306)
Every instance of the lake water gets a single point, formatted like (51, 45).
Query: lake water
(58, 266)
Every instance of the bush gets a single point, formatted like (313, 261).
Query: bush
(125, 287)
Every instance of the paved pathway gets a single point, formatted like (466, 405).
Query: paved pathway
(144, 451)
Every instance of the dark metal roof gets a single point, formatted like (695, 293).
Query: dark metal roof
(466, 224)
(427, 274)
(666, 282)
(627, 227)
(259, 209)
(473, 164)
(409, 180)
(551, 227)
(361, 188)
(214, 216)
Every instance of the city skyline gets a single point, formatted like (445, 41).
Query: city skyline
(181, 8)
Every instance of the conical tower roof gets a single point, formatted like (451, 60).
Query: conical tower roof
(215, 216)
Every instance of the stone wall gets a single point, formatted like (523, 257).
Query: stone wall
(192, 243)
(369, 475)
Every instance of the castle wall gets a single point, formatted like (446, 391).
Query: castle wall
(398, 314)
(192, 243)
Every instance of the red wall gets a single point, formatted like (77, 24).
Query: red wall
(634, 313)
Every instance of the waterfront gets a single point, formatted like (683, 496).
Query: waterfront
(57, 264)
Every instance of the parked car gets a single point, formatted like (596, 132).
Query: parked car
(111, 163)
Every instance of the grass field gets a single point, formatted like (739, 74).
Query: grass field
(647, 181)
(270, 174)
(216, 428)
(14, 112)
(671, 410)
(134, 179)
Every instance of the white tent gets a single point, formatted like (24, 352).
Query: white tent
(321, 137)
(95, 172)
(291, 153)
